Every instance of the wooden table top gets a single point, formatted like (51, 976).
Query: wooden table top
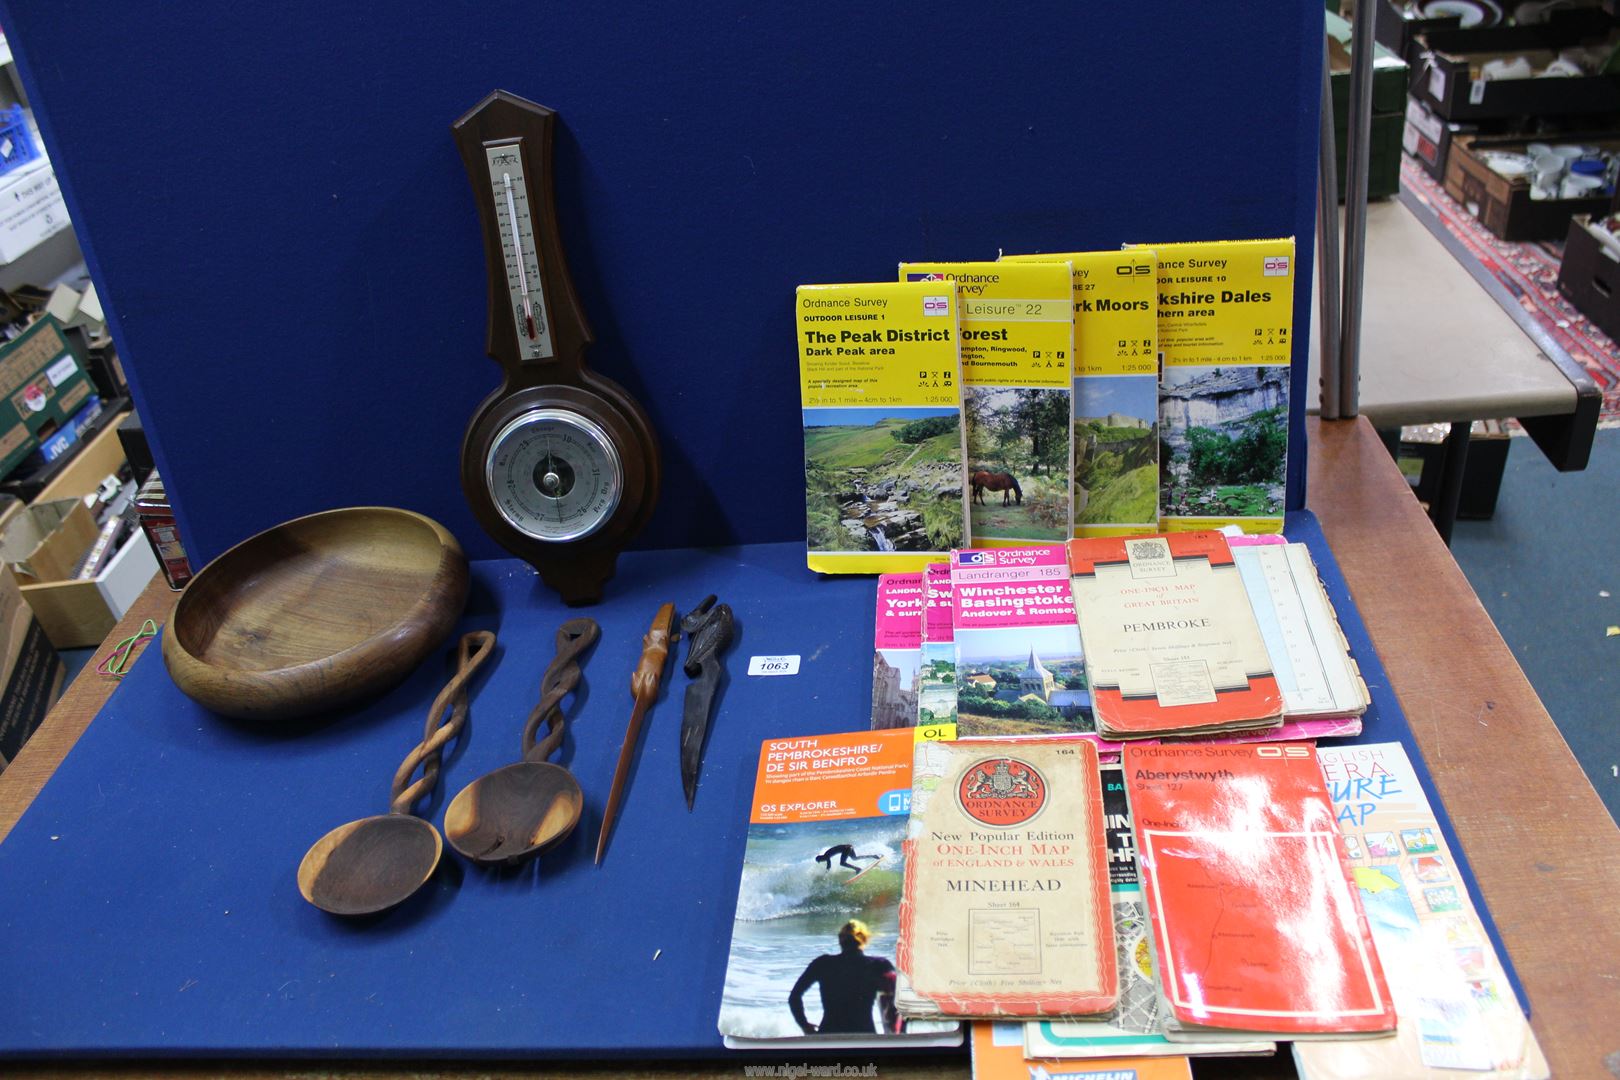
(1418, 369)
(1544, 849)
(1542, 845)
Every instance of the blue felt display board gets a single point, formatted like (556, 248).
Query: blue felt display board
(281, 230)
(149, 893)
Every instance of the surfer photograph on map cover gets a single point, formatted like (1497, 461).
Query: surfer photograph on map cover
(851, 984)
(845, 854)
(818, 919)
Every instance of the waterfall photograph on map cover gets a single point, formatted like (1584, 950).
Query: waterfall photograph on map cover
(802, 883)
(883, 479)
(1116, 449)
(1223, 441)
(1018, 461)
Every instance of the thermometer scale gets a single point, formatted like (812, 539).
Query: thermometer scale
(559, 464)
(517, 246)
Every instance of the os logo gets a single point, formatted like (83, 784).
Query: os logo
(1002, 791)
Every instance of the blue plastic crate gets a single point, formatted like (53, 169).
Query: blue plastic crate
(17, 147)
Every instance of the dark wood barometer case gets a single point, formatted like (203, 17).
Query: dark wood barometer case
(559, 464)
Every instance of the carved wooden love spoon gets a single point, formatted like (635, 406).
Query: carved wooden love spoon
(522, 809)
(372, 864)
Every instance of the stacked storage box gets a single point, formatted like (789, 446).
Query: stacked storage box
(1388, 105)
(1482, 92)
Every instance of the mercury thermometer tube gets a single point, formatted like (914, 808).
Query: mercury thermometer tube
(517, 252)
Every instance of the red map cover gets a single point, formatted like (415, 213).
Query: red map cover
(1170, 637)
(1256, 920)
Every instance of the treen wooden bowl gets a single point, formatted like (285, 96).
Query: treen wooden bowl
(316, 613)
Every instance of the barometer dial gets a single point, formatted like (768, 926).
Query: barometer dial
(555, 475)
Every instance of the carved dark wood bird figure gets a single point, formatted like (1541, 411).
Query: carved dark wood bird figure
(708, 628)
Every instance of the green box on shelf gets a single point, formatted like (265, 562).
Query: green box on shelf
(42, 383)
(1383, 157)
(1390, 74)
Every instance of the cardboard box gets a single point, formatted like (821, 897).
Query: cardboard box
(79, 614)
(31, 673)
(1390, 80)
(1421, 458)
(1590, 277)
(43, 383)
(31, 210)
(1504, 205)
(1427, 137)
(1390, 76)
(46, 541)
(83, 473)
(1383, 156)
(1445, 76)
(35, 475)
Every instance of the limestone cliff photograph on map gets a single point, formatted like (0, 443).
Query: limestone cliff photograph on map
(1116, 449)
(883, 479)
(1224, 433)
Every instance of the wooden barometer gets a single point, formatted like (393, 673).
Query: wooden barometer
(559, 464)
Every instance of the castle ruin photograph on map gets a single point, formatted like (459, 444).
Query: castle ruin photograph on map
(1116, 450)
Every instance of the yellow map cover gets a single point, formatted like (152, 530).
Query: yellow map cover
(880, 379)
(1226, 315)
(1017, 338)
(1116, 390)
